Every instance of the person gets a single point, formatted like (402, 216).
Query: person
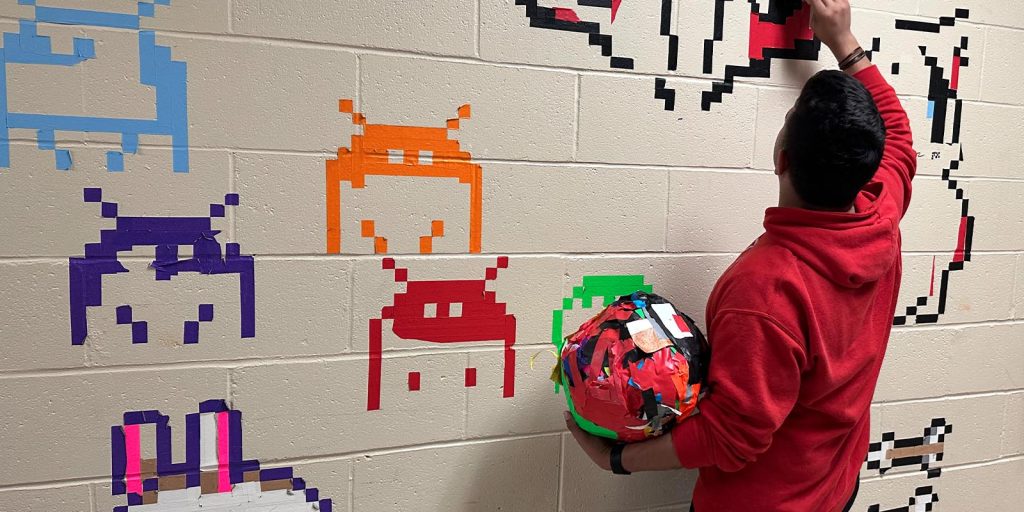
(798, 324)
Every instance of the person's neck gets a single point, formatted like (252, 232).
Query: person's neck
(795, 202)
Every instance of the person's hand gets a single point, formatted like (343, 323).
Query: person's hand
(830, 20)
(598, 449)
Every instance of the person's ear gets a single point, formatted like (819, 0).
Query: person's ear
(781, 163)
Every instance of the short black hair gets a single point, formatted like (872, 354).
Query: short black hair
(834, 140)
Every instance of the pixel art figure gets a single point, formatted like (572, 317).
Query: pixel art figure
(924, 500)
(923, 451)
(912, 451)
(568, 20)
(443, 311)
(166, 234)
(783, 32)
(156, 69)
(393, 150)
(943, 86)
(211, 476)
(606, 288)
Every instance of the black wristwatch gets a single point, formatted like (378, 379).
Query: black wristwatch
(616, 460)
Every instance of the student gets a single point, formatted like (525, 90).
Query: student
(799, 323)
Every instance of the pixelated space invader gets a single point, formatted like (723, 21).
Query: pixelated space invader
(443, 311)
(393, 150)
(930, 59)
(210, 474)
(780, 31)
(167, 235)
(606, 288)
(922, 451)
(588, 18)
(157, 70)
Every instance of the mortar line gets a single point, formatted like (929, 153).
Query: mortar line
(476, 31)
(500, 161)
(438, 445)
(561, 473)
(416, 257)
(232, 219)
(297, 44)
(576, 118)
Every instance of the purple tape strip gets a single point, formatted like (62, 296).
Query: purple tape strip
(267, 475)
(118, 461)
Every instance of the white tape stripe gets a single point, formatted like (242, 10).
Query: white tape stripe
(208, 441)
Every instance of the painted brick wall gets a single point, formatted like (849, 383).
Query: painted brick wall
(574, 164)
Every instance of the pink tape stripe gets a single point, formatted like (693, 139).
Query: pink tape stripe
(132, 450)
(223, 454)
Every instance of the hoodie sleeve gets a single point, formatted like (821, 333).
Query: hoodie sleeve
(755, 377)
(899, 161)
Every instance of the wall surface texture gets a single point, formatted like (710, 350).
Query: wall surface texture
(340, 231)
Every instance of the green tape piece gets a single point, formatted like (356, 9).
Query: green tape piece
(556, 330)
(608, 289)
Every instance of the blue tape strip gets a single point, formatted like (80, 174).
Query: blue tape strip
(931, 109)
(65, 16)
(63, 160)
(46, 139)
(115, 161)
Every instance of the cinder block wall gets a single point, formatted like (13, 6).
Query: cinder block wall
(565, 164)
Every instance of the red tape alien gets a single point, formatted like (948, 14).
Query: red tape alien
(465, 312)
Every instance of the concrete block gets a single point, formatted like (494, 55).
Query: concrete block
(314, 409)
(50, 422)
(573, 209)
(991, 139)
(587, 487)
(73, 498)
(212, 17)
(270, 219)
(517, 113)
(982, 291)
(302, 309)
(1013, 425)
(535, 408)
(772, 106)
(36, 330)
(516, 475)
(932, 222)
(621, 122)
(990, 487)
(706, 213)
(444, 27)
(930, 362)
(1018, 290)
(44, 208)
(261, 95)
(994, 230)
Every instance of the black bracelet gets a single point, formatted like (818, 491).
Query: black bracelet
(616, 460)
(850, 57)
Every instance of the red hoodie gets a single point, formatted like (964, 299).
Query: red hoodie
(798, 327)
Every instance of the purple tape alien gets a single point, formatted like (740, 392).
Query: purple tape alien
(167, 234)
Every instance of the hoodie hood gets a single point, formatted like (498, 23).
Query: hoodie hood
(849, 249)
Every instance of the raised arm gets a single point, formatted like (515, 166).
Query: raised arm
(830, 20)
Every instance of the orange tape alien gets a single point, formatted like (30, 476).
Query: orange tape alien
(392, 150)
